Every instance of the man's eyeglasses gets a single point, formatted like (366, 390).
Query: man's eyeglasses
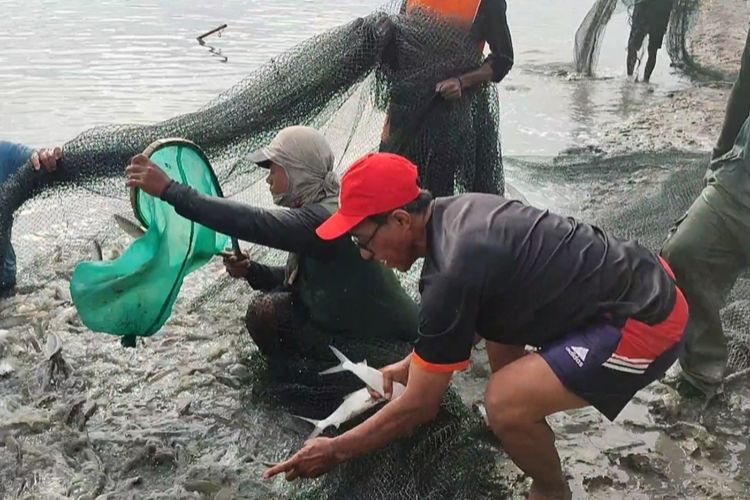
(364, 245)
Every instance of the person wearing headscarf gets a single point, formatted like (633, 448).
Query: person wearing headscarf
(325, 289)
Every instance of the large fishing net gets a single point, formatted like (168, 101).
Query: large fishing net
(590, 33)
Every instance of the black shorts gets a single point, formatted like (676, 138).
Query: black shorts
(606, 364)
(649, 18)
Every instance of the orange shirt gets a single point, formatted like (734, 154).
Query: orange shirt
(463, 12)
(485, 20)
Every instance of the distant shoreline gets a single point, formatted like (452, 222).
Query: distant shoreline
(690, 119)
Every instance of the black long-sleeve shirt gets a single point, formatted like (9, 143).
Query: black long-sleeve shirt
(339, 291)
(491, 25)
(283, 229)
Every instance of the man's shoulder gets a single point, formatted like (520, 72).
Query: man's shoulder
(461, 230)
(463, 199)
(468, 212)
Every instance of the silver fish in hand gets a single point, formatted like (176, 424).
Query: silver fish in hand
(367, 374)
(354, 405)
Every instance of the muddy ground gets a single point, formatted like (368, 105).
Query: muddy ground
(691, 119)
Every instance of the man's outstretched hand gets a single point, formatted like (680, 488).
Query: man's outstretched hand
(315, 458)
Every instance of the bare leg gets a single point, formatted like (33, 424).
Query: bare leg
(267, 319)
(518, 398)
(632, 57)
(500, 355)
(635, 42)
(650, 64)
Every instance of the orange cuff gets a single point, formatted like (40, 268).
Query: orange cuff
(438, 368)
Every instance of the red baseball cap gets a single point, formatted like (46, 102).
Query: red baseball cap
(376, 183)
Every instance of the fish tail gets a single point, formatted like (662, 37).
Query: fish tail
(312, 421)
(316, 431)
(339, 355)
(97, 250)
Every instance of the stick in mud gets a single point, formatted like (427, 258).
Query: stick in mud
(204, 35)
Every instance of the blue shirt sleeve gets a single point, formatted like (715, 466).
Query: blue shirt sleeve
(12, 157)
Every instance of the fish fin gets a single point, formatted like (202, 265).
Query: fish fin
(316, 431)
(335, 369)
(338, 368)
(343, 359)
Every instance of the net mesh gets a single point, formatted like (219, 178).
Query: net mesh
(589, 35)
(340, 82)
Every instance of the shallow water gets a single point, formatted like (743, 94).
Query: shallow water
(71, 65)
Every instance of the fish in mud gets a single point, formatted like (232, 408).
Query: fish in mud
(367, 374)
(354, 404)
(96, 251)
(129, 227)
(5, 367)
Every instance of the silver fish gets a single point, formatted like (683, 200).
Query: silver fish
(3, 341)
(129, 227)
(96, 251)
(354, 404)
(370, 376)
(14, 321)
(6, 368)
(53, 346)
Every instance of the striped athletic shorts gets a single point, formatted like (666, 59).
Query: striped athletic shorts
(607, 363)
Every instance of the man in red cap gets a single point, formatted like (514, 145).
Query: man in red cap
(604, 314)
